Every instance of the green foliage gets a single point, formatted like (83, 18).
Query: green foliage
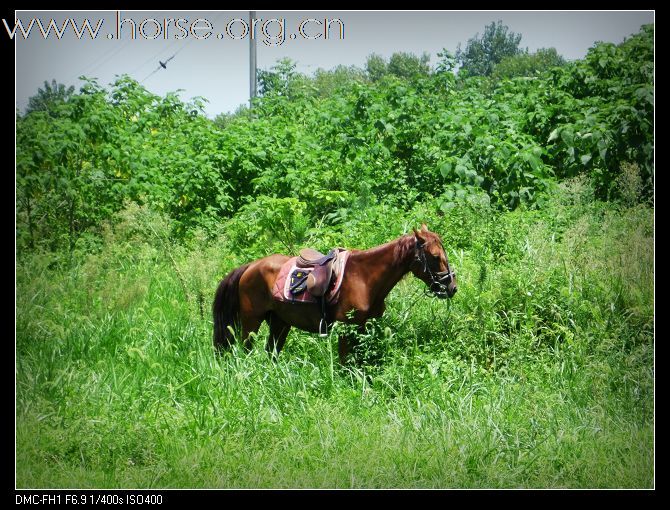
(628, 184)
(327, 82)
(48, 98)
(130, 208)
(77, 166)
(282, 80)
(608, 115)
(539, 373)
(482, 54)
(527, 64)
(407, 65)
(401, 64)
(338, 143)
(279, 222)
(376, 67)
(447, 62)
(222, 120)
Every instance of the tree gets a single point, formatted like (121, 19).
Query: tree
(403, 65)
(328, 81)
(408, 65)
(376, 67)
(49, 96)
(282, 80)
(527, 64)
(482, 54)
(447, 62)
(222, 120)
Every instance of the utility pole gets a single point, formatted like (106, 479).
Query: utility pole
(252, 58)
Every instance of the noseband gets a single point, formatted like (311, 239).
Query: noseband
(439, 280)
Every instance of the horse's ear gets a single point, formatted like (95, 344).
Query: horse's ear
(418, 235)
(424, 228)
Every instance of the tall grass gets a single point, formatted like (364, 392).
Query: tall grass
(539, 373)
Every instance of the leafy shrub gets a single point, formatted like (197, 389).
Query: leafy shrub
(395, 140)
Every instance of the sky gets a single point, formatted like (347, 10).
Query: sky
(211, 49)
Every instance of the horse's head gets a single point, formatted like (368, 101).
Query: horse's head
(432, 265)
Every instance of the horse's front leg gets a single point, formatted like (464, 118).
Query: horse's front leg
(344, 347)
(347, 343)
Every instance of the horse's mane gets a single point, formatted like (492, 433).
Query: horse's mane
(404, 248)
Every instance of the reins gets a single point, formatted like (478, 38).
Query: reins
(439, 281)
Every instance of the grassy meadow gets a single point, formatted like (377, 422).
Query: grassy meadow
(538, 373)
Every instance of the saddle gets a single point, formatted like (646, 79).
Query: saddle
(318, 280)
(310, 258)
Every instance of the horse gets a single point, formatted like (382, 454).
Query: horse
(244, 298)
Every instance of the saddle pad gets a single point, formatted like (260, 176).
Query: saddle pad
(281, 290)
(298, 283)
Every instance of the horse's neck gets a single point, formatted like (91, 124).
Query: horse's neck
(384, 266)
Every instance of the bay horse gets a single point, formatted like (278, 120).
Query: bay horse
(244, 297)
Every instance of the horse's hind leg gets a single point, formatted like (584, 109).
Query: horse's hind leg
(278, 333)
(250, 324)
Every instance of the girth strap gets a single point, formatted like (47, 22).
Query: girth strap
(323, 323)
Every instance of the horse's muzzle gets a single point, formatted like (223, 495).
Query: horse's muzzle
(444, 286)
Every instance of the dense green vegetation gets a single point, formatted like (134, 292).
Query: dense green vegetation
(538, 373)
(527, 64)
(483, 54)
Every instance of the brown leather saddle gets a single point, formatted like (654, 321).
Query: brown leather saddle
(318, 281)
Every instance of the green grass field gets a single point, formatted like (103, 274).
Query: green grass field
(539, 372)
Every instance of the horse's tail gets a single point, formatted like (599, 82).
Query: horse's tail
(226, 308)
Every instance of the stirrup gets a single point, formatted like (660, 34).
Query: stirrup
(323, 328)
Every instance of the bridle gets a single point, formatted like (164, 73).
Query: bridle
(439, 280)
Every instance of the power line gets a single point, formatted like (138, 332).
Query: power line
(95, 61)
(123, 46)
(153, 57)
(103, 58)
(162, 64)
